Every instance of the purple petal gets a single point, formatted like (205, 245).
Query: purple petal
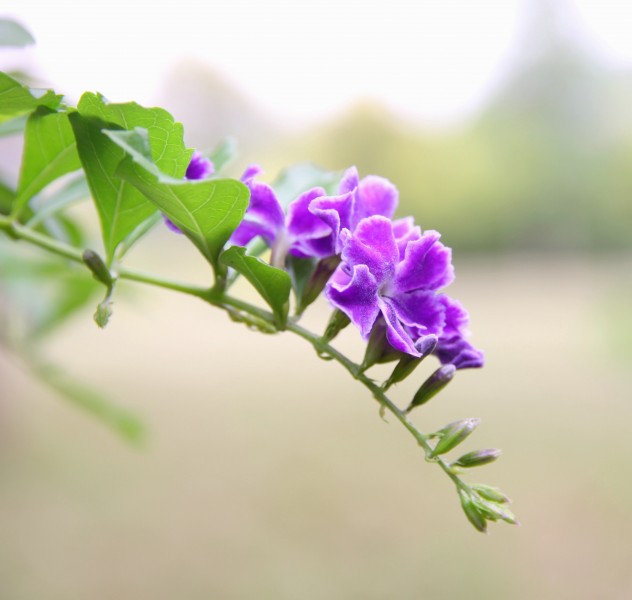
(421, 311)
(453, 347)
(309, 235)
(170, 224)
(264, 216)
(349, 181)
(335, 212)
(405, 231)
(199, 167)
(396, 333)
(373, 244)
(358, 299)
(426, 265)
(375, 196)
(251, 172)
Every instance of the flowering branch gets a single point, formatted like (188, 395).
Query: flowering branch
(385, 276)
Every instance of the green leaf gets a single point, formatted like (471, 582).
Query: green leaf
(123, 422)
(12, 34)
(12, 125)
(49, 152)
(207, 211)
(122, 207)
(297, 179)
(7, 196)
(17, 99)
(223, 153)
(273, 284)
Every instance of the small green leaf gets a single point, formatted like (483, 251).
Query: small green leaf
(297, 179)
(273, 284)
(223, 153)
(122, 207)
(17, 99)
(12, 125)
(207, 211)
(7, 197)
(49, 152)
(12, 34)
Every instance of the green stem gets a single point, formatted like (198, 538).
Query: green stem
(222, 300)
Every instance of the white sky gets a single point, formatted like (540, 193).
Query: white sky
(432, 59)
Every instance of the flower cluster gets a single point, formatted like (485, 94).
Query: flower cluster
(391, 273)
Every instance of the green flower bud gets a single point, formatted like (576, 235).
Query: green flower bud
(473, 514)
(490, 493)
(477, 458)
(378, 349)
(95, 263)
(453, 434)
(493, 511)
(433, 385)
(408, 363)
(317, 281)
(337, 322)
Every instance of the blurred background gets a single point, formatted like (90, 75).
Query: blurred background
(507, 126)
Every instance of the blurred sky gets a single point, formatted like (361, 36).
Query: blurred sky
(434, 61)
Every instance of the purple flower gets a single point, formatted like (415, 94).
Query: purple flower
(392, 271)
(453, 346)
(300, 232)
(356, 200)
(199, 168)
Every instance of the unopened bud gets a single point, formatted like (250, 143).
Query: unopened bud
(95, 263)
(377, 346)
(493, 511)
(408, 363)
(317, 281)
(453, 434)
(490, 493)
(433, 385)
(478, 458)
(472, 512)
(337, 323)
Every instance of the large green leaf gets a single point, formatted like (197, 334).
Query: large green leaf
(207, 211)
(13, 34)
(273, 284)
(49, 152)
(122, 207)
(16, 99)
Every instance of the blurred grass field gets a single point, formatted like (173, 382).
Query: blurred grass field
(269, 474)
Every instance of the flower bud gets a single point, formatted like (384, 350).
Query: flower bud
(490, 493)
(473, 514)
(433, 385)
(408, 363)
(378, 350)
(477, 458)
(337, 322)
(317, 281)
(95, 263)
(493, 511)
(453, 434)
